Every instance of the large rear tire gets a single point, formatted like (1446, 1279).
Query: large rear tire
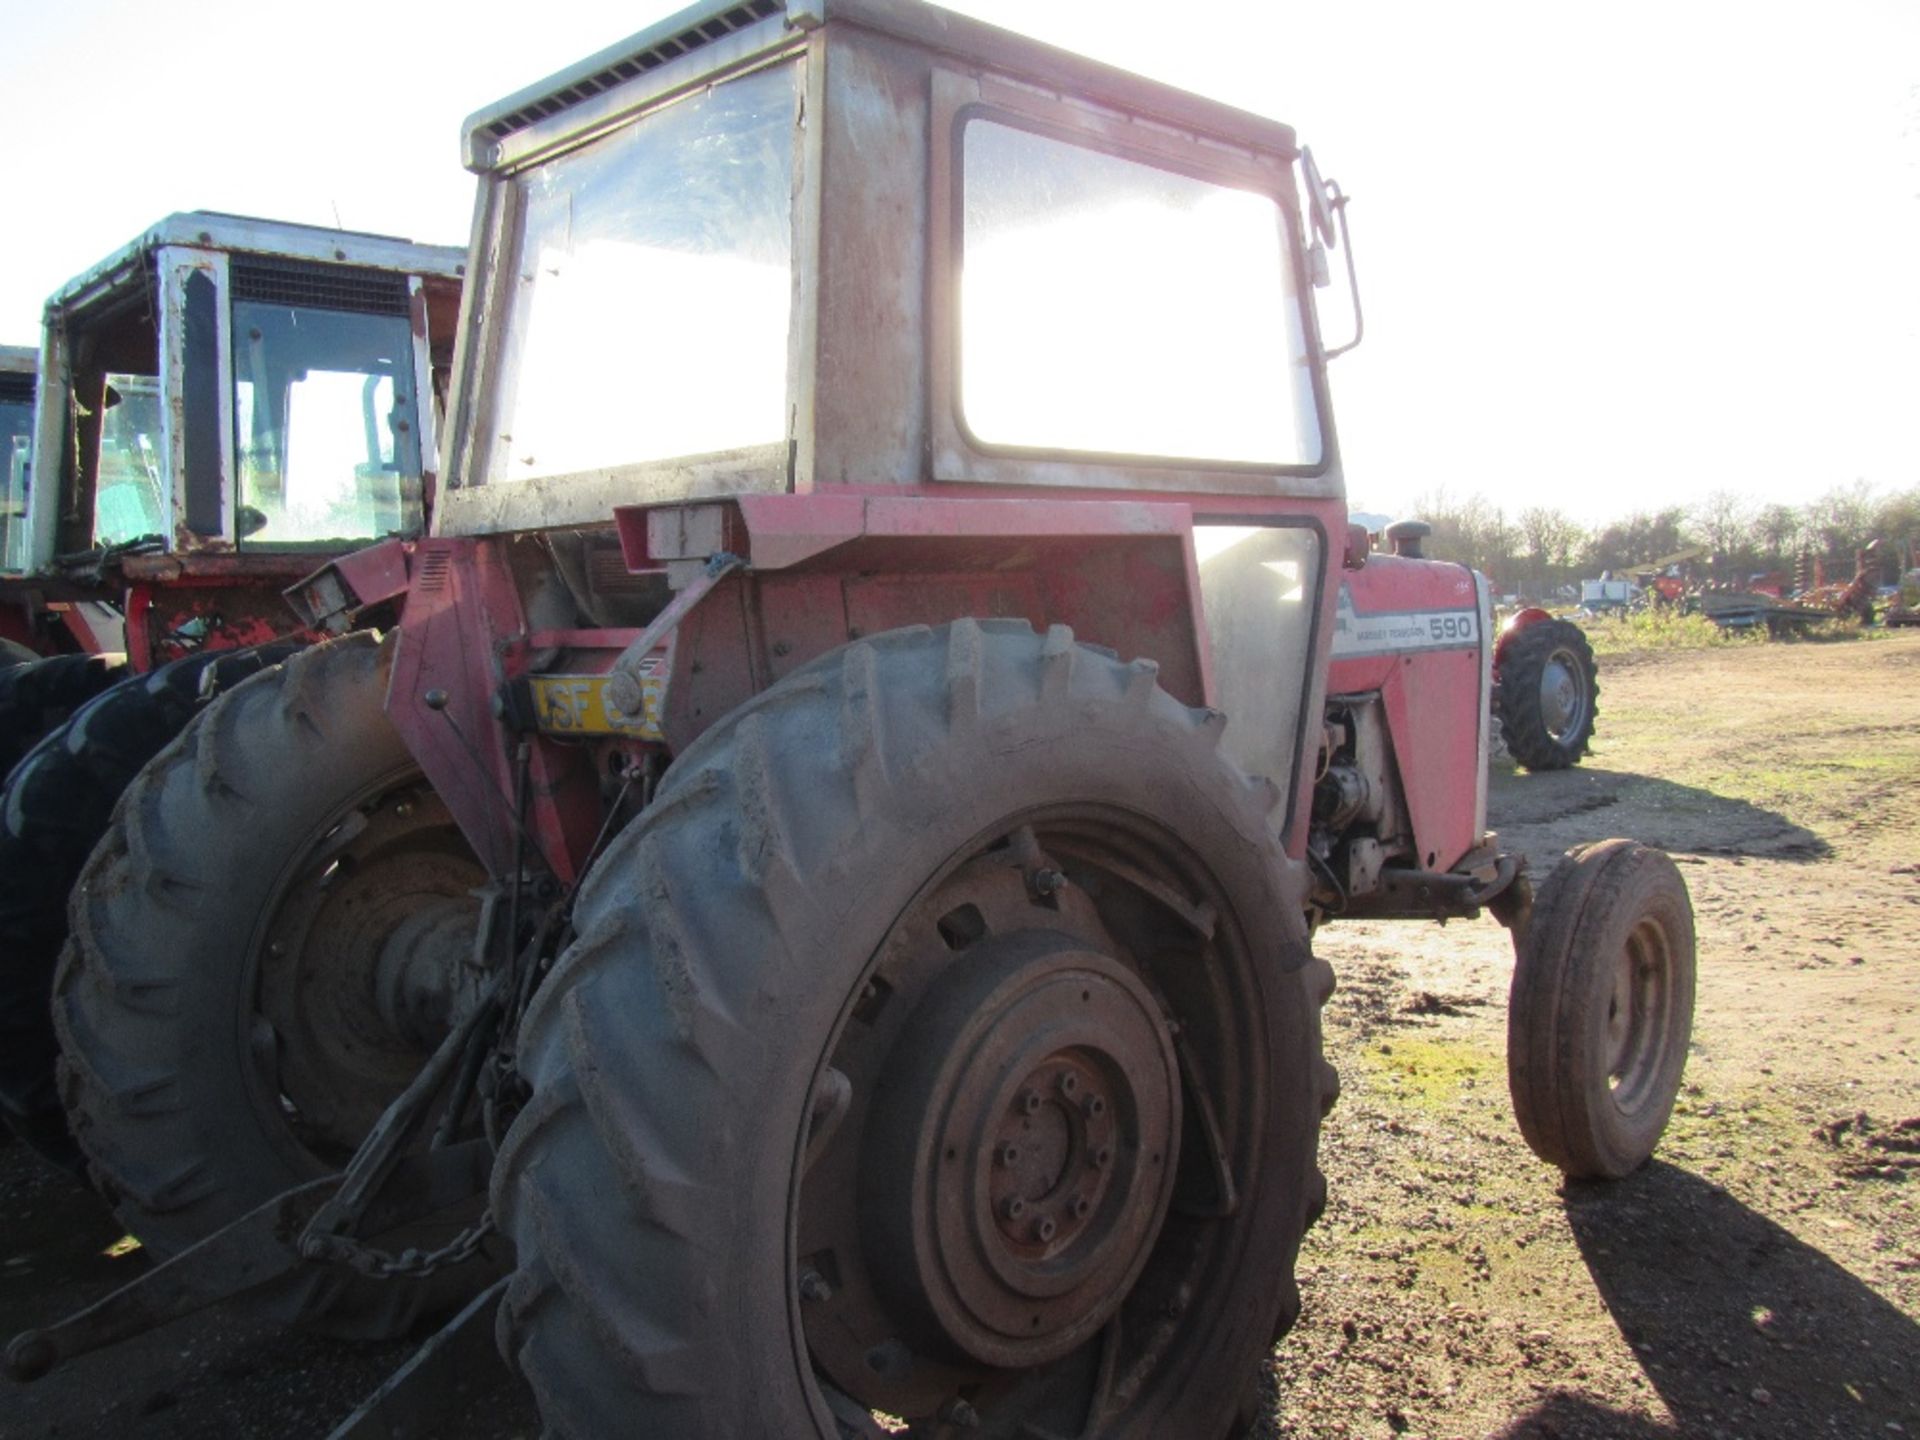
(37, 695)
(1549, 695)
(1601, 1010)
(54, 809)
(217, 1006)
(942, 1042)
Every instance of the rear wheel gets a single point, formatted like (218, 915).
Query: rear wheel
(942, 1043)
(1601, 1010)
(38, 694)
(266, 945)
(54, 809)
(1549, 695)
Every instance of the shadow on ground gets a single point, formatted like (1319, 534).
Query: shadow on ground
(1544, 812)
(1743, 1329)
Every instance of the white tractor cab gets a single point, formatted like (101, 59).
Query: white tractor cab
(221, 403)
(18, 365)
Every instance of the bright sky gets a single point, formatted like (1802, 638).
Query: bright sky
(1612, 257)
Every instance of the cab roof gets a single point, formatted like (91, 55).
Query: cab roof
(720, 26)
(243, 234)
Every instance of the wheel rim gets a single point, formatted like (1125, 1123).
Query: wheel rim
(1563, 695)
(1035, 1035)
(355, 971)
(1640, 1016)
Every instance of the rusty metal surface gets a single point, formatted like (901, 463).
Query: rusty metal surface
(463, 616)
(870, 383)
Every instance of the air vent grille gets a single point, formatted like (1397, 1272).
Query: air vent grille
(434, 564)
(716, 27)
(16, 388)
(320, 287)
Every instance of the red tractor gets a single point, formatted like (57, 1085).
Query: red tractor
(222, 404)
(779, 917)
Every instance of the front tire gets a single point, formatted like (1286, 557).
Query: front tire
(217, 1006)
(860, 1089)
(1601, 1010)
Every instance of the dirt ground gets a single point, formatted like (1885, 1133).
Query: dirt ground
(1760, 1279)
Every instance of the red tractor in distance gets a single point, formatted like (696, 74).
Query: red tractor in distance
(804, 913)
(222, 404)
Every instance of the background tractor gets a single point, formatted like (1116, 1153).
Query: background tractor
(222, 404)
(785, 867)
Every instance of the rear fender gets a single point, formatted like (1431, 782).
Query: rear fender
(1518, 621)
(826, 569)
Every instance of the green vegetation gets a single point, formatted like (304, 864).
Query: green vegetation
(1664, 629)
(1428, 1074)
(1667, 629)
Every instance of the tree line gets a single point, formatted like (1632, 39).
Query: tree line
(1542, 548)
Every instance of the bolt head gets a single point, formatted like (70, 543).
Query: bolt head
(1014, 1208)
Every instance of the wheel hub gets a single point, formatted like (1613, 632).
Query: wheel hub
(1562, 703)
(1037, 1090)
(356, 973)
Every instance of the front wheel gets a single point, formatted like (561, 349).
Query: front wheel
(1601, 1010)
(943, 1043)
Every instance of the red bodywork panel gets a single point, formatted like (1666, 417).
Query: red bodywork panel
(464, 634)
(826, 567)
(1413, 631)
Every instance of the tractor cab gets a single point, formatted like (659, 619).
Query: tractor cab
(18, 364)
(223, 398)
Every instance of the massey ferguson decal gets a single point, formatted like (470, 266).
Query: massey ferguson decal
(1356, 634)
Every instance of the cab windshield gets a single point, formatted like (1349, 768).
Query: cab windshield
(651, 292)
(130, 494)
(16, 442)
(327, 431)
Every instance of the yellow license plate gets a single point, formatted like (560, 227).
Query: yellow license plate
(580, 705)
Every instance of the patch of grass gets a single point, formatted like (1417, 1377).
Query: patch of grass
(1427, 1074)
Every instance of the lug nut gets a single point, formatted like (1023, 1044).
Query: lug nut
(1069, 1083)
(1081, 1205)
(1048, 882)
(1014, 1208)
(1046, 1229)
(1030, 1102)
(1009, 1155)
(1102, 1157)
(1096, 1105)
(814, 1287)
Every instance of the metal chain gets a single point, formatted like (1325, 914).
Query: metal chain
(409, 1264)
